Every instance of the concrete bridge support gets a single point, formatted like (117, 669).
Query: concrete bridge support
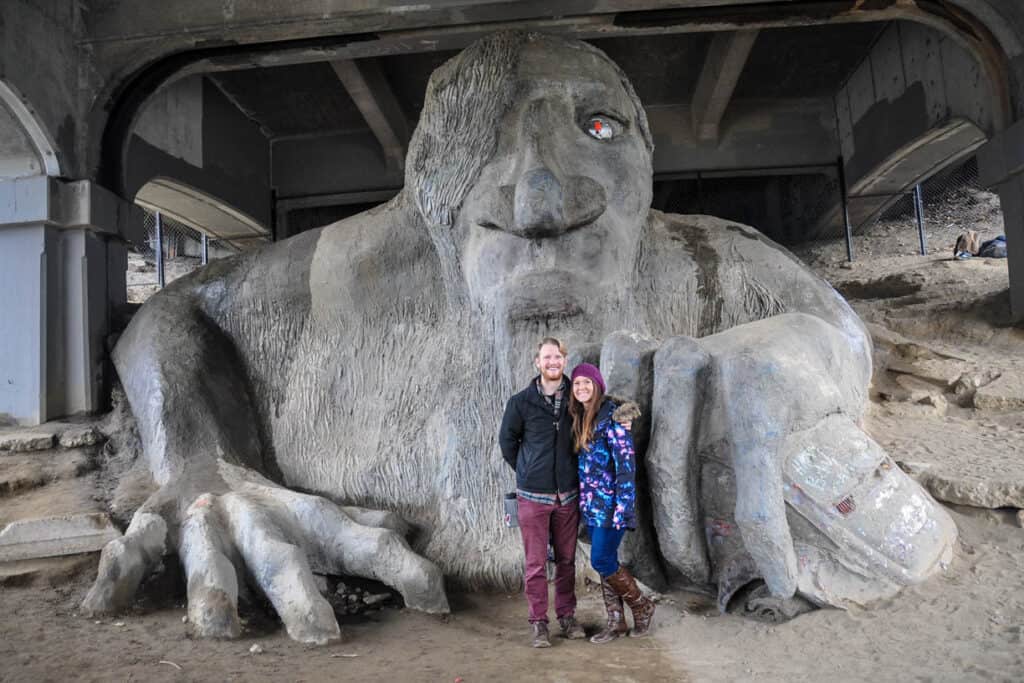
(62, 275)
(62, 272)
(1001, 166)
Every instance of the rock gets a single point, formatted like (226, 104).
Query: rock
(973, 489)
(968, 383)
(1003, 394)
(353, 598)
(903, 348)
(937, 401)
(51, 571)
(993, 516)
(321, 583)
(964, 389)
(1020, 518)
(341, 588)
(256, 649)
(883, 336)
(25, 471)
(938, 370)
(78, 436)
(22, 441)
(55, 536)
(918, 390)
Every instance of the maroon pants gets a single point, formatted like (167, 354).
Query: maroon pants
(557, 524)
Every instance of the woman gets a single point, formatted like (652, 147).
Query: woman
(607, 499)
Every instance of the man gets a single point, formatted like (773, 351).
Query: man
(536, 441)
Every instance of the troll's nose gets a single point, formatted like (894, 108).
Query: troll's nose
(539, 206)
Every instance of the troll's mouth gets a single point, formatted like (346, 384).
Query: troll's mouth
(546, 294)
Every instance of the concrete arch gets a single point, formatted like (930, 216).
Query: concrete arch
(197, 209)
(914, 162)
(26, 148)
(919, 102)
(973, 24)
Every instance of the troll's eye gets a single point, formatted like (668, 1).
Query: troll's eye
(601, 127)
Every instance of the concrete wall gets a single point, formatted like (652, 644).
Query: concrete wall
(330, 164)
(192, 133)
(40, 59)
(781, 206)
(1004, 21)
(753, 134)
(19, 157)
(916, 104)
(173, 121)
(913, 80)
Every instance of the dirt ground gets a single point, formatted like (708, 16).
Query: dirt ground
(483, 640)
(965, 625)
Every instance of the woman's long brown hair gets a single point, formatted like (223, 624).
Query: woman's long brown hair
(584, 416)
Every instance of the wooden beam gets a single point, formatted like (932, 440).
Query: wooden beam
(723, 65)
(366, 85)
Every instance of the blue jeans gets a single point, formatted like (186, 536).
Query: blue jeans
(604, 549)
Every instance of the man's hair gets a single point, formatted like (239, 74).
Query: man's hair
(458, 129)
(553, 342)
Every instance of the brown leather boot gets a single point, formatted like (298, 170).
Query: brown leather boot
(616, 625)
(642, 607)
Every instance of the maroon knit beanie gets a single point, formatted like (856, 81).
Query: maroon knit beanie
(590, 372)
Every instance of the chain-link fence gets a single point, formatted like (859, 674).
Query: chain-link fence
(925, 220)
(801, 207)
(171, 249)
(949, 203)
(804, 212)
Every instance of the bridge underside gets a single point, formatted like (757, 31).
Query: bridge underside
(255, 123)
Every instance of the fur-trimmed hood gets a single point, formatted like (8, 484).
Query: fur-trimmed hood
(626, 410)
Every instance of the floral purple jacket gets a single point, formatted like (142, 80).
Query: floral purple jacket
(607, 467)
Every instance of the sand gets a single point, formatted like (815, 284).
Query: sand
(964, 626)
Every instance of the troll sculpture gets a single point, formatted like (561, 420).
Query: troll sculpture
(331, 401)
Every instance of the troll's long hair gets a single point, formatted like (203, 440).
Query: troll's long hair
(584, 417)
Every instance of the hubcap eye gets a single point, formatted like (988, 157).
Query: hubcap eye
(601, 128)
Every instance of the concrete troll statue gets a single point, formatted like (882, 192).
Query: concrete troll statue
(330, 403)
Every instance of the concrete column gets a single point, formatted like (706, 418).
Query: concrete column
(62, 270)
(1011, 196)
(1001, 166)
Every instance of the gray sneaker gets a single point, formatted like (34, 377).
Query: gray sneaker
(571, 628)
(540, 635)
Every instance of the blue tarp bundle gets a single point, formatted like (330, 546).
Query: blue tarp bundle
(993, 248)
